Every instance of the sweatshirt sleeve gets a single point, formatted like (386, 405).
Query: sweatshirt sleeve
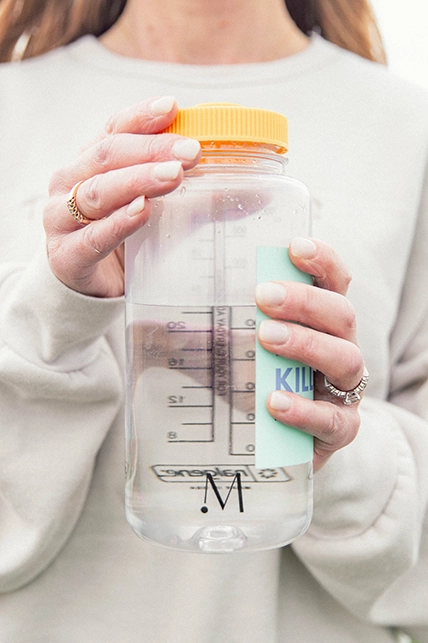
(60, 390)
(367, 533)
(368, 542)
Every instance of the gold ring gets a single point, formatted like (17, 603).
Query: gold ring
(349, 397)
(72, 206)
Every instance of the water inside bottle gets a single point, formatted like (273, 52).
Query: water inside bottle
(191, 476)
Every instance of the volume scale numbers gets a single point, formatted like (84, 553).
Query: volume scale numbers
(194, 410)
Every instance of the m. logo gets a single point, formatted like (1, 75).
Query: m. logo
(210, 480)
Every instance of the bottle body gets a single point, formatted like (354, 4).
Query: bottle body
(192, 480)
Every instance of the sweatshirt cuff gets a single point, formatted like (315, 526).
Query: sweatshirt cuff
(366, 528)
(354, 487)
(45, 322)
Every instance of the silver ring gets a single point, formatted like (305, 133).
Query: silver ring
(348, 397)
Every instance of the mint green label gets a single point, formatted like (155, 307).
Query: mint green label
(278, 445)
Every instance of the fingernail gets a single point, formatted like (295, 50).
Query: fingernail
(136, 206)
(273, 332)
(162, 106)
(279, 401)
(304, 248)
(167, 171)
(186, 149)
(270, 293)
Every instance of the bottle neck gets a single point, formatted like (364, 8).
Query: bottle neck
(249, 156)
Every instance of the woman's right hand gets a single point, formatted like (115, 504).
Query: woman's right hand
(129, 163)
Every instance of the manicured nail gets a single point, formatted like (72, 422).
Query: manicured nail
(136, 206)
(186, 149)
(162, 106)
(273, 332)
(280, 401)
(167, 171)
(304, 248)
(270, 294)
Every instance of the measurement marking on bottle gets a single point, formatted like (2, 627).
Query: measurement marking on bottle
(187, 330)
(196, 424)
(219, 358)
(197, 387)
(172, 441)
(189, 368)
(241, 423)
(178, 405)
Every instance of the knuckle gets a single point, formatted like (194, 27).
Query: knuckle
(346, 275)
(151, 147)
(126, 120)
(354, 364)
(308, 301)
(311, 302)
(349, 316)
(111, 124)
(342, 428)
(156, 146)
(92, 193)
(135, 181)
(337, 265)
(307, 344)
(103, 152)
(335, 432)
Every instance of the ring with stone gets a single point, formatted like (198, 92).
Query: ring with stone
(348, 397)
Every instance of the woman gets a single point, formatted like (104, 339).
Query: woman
(70, 568)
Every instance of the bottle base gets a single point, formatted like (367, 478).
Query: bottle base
(220, 538)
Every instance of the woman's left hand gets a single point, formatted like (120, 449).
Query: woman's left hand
(320, 331)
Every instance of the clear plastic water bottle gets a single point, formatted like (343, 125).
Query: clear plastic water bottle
(208, 469)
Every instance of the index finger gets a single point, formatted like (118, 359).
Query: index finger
(150, 116)
(322, 262)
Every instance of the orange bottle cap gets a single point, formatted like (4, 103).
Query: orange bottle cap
(229, 122)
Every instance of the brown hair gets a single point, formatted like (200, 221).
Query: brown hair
(351, 24)
(31, 27)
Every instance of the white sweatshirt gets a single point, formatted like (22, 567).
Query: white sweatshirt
(71, 569)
